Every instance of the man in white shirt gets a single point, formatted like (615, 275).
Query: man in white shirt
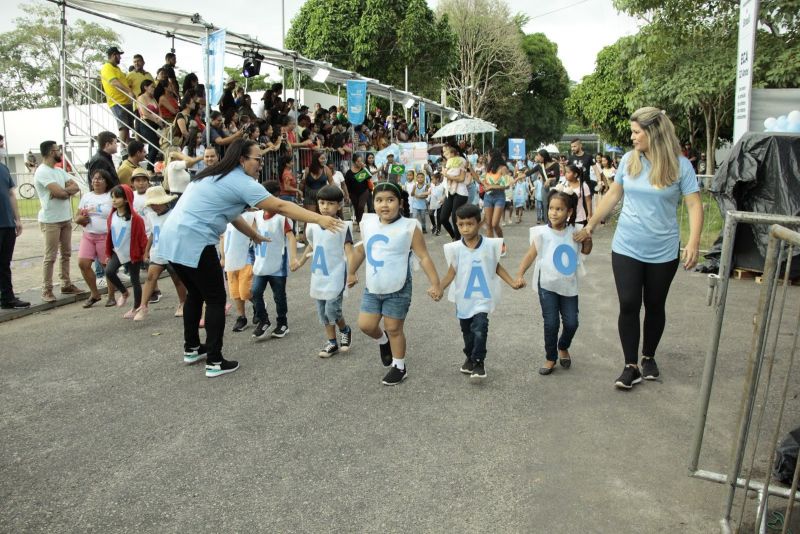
(55, 190)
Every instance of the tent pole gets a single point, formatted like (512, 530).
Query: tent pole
(338, 95)
(63, 82)
(389, 115)
(208, 91)
(295, 82)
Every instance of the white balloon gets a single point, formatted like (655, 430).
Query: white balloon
(782, 124)
(794, 117)
(769, 124)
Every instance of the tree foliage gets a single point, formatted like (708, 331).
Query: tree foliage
(491, 62)
(29, 55)
(539, 116)
(378, 39)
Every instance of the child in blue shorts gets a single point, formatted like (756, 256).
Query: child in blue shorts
(330, 251)
(389, 239)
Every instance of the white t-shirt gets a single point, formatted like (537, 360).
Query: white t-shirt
(436, 199)
(177, 176)
(139, 204)
(53, 210)
(199, 152)
(155, 222)
(98, 208)
(338, 179)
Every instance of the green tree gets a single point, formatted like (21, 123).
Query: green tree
(378, 39)
(29, 56)
(539, 116)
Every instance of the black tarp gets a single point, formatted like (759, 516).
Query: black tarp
(762, 175)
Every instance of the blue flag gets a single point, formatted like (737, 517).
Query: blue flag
(356, 101)
(422, 118)
(214, 54)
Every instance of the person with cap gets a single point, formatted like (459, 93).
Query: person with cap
(136, 155)
(118, 95)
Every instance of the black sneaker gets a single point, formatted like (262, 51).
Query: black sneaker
(386, 354)
(630, 376)
(280, 331)
(478, 371)
(155, 297)
(468, 366)
(194, 355)
(394, 376)
(15, 304)
(328, 350)
(260, 331)
(223, 367)
(649, 369)
(240, 324)
(344, 339)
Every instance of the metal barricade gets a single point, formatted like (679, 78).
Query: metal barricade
(761, 368)
(269, 169)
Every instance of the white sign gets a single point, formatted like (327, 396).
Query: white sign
(748, 21)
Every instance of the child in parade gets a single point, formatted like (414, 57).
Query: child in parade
(555, 275)
(237, 258)
(140, 181)
(520, 194)
(271, 267)
(419, 192)
(538, 190)
(389, 240)
(125, 245)
(573, 178)
(159, 207)
(435, 202)
(476, 272)
(330, 252)
(93, 211)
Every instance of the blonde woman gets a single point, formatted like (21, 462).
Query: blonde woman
(645, 252)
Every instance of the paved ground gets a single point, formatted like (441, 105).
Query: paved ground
(105, 430)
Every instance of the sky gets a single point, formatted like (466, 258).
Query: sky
(580, 28)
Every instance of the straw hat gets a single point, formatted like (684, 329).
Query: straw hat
(157, 195)
(140, 172)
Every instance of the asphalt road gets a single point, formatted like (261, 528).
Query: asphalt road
(104, 429)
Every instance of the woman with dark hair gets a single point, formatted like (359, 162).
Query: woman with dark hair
(190, 83)
(356, 180)
(93, 212)
(315, 177)
(455, 175)
(167, 97)
(495, 182)
(182, 126)
(217, 196)
(548, 169)
(645, 253)
(149, 119)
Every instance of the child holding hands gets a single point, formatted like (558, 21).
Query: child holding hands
(389, 239)
(555, 275)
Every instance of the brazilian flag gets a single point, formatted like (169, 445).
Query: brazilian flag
(362, 175)
(397, 168)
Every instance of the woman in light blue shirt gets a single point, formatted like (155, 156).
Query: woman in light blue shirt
(645, 252)
(215, 197)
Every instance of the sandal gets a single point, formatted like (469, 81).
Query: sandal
(110, 303)
(91, 301)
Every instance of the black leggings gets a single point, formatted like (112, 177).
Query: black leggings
(204, 284)
(113, 266)
(360, 204)
(639, 282)
(436, 219)
(451, 205)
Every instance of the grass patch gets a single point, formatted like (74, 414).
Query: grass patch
(713, 222)
(29, 207)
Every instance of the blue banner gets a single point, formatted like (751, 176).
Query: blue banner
(422, 119)
(214, 54)
(356, 101)
(516, 149)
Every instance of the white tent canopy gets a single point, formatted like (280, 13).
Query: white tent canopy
(465, 127)
(191, 28)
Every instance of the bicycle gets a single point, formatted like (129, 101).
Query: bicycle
(27, 191)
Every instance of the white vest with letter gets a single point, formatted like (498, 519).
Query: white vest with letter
(476, 287)
(328, 262)
(388, 252)
(121, 237)
(156, 223)
(237, 245)
(269, 255)
(558, 260)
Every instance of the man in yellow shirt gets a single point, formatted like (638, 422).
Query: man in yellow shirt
(118, 95)
(138, 75)
(136, 155)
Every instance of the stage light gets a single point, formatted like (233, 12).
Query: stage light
(320, 75)
(252, 64)
(453, 116)
(409, 103)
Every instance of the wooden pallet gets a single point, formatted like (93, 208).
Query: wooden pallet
(746, 274)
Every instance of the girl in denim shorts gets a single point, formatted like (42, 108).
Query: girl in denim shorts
(388, 240)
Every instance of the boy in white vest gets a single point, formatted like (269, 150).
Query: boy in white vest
(330, 252)
(271, 267)
(389, 239)
(555, 276)
(475, 268)
(237, 257)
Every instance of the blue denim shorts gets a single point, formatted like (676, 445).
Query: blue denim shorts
(329, 311)
(495, 198)
(394, 305)
(124, 115)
